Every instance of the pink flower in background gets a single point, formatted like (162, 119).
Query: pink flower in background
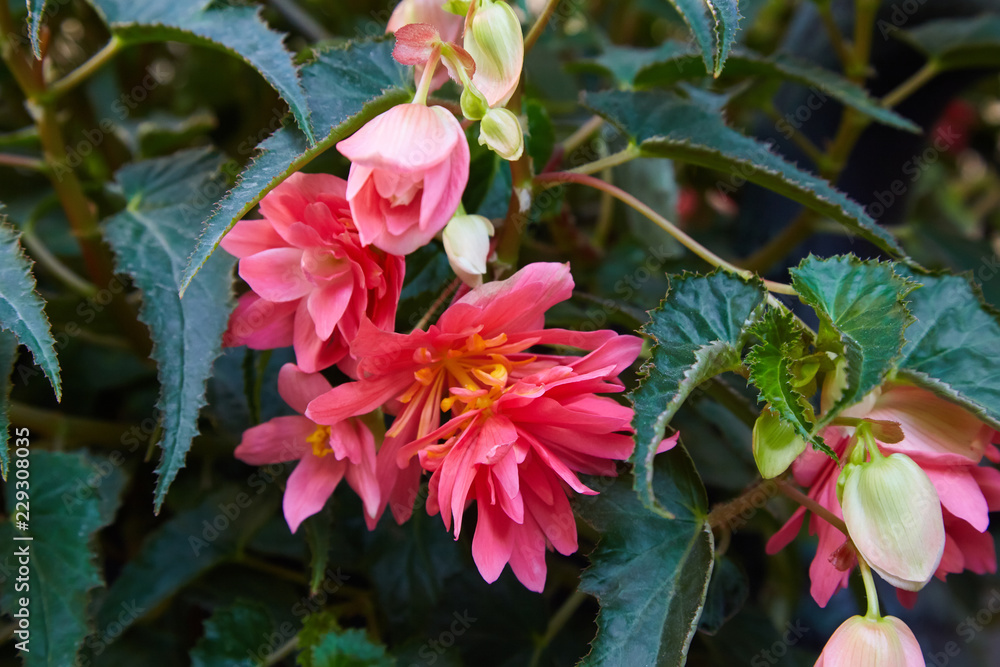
(510, 416)
(948, 443)
(409, 167)
(326, 454)
(866, 642)
(449, 26)
(312, 280)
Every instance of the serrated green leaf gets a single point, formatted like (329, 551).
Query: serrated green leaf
(350, 648)
(697, 18)
(22, 311)
(8, 357)
(699, 330)
(958, 43)
(65, 514)
(167, 198)
(186, 546)
(952, 347)
(650, 574)
(664, 67)
(345, 87)
(233, 635)
(665, 125)
(727, 23)
(861, 309)
(36, 9)
(780, 343)
(238, 31)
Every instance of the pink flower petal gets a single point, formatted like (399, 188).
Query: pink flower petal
(276, 441)
(260, 324)
(249, 237)
(493, 542)
(276, 274)
(298, 388)
(309, 487)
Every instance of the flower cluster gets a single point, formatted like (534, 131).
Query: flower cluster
(492, 419)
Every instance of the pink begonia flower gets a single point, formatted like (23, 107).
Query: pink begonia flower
(518, 426)
(409, 167)
(865, 642)
(449, 26)
(312, 280)
(326, 454)
(948, 443)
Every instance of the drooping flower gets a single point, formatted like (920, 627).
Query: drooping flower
(947, 442)
(409, 167)
(494, 423)
(312, 282)
(449, 26)
(325, 453)
(867, 642)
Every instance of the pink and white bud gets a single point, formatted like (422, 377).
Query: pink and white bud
(893, 515)
(467, 244)
(866, 642)
(415, 43)
(494, 39)
(409, 167)
(501, 132)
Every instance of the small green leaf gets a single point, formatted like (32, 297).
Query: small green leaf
(167, 198)
(65, 514)
(958, 43)
(650, 574)
(233, 635)
(952, 348)
(186, 546)
(346, 87)
(727, 22)
(238, 31)
(36, 9)
(699, 331)
(862, 313)
(781, 343)
(665, 125)
(8, 357)
(22, 311)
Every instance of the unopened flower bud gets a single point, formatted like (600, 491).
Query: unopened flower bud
(893, 515)
(494, 39)
(501, 132)
(467, 244)
(885, 642)
(775, 444)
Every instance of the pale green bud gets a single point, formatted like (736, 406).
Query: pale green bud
(501, 132)
(467, 244)
(775, 444)
(495, 41)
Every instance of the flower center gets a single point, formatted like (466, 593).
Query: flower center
(320, 440)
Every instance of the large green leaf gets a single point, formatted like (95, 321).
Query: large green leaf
(8, 357)
(953, 347)
(233, 635)
(66, 506)
(189, 545)
(668, 65)
(665, 125)
(650, 574)
(958, 43)
(36, 8)
(22, 311)
(151, 237)
(699, 330)
(345, 87)
(862, 315)
(239, 31)
(781, 342)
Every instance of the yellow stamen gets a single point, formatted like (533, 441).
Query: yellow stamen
(320, 441)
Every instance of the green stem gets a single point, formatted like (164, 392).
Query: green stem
(836, 37)
(787, 240)
(554, 179)
(573, 141)
(84, 71)
(874, 613)
(22, 162)
(51, 263)
(424, 87)
(613, 160)
(540, 23)
(556, 623)
(282, 652)
(919, 79)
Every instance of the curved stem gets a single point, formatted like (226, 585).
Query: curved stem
(426, 77)
(556, 178)
(919, 79)
(813, 506)
(51, 263)
(84, 71)
(874, 613)
(22, 162)
(833, 32)
(621, 157)
(540, 23)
